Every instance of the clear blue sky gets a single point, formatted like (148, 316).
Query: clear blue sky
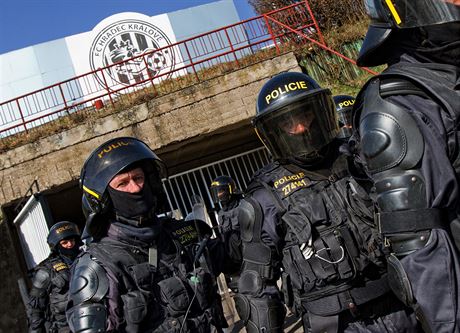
(27, 22)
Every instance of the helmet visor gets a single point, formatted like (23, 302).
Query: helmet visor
(221, 193)
(112, 157)
(345, 123)
(299, 129)
(410, 14)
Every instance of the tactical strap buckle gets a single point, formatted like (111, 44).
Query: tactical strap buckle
(409, 221)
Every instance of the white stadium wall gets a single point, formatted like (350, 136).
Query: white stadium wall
(115, 38)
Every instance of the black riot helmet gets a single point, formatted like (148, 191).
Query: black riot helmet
(223, 188)
(62, 230)
(389, 16)
(108, 160)
(344, 107)
(295, 118)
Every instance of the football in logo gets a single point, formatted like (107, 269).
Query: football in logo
(132, 51)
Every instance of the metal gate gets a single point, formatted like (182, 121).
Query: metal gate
(182, 187)
(32, 223)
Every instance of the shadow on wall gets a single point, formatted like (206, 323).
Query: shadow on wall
(12, 311)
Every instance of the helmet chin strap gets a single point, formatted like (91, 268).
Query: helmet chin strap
(312, 160)
(308, 160)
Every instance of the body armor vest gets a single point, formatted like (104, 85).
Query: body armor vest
(228, 218)
(159, 287)
(58, 291)
(328, 212)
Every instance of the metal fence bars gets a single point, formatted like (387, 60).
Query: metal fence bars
(182, 187)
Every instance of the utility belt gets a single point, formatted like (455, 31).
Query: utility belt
(345, 297)
(346, 300)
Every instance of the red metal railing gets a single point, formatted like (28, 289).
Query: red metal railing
(166, 69)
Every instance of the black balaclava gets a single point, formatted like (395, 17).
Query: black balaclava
(133, 208)
(232, 202)
(441, 43)
(432, 44)
(69, 254)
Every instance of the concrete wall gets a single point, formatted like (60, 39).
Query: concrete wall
(12, 310)
(35, 67)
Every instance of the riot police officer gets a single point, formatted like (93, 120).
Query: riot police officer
(407, 122)
(225, 193)
(140, 273)
(344, 107)
(50, 284)
(308, 217)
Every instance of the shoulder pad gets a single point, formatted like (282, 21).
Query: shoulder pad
(41, 278)
(89, 281)
(389, 135)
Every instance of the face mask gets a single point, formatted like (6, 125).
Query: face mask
(133, 205)
(69, 253)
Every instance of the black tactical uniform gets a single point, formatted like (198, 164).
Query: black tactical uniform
(407, 122)
(50, 284)
(308, 217)
(225, 192)
(140, 273)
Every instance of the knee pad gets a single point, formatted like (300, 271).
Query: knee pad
(260, 314)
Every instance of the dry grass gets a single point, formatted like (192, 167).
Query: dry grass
(348, 33)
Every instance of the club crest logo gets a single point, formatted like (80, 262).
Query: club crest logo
(119, 41)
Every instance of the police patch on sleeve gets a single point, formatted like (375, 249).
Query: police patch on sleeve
(60, 266)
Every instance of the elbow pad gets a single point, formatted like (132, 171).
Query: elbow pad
(88, 287)
(87, 318)
(40, 283)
